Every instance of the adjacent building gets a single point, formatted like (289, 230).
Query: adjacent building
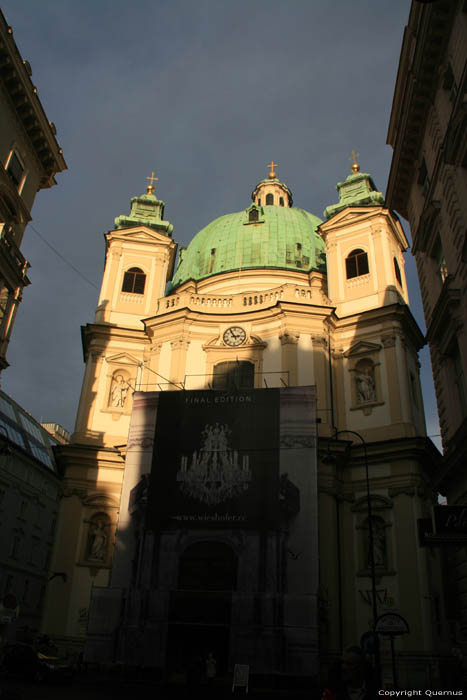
(29, 498)
(427, 186)
(169, 501)
(30, 157)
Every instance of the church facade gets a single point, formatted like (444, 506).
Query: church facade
(283, 361)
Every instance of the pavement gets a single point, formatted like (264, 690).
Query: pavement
(103, 687)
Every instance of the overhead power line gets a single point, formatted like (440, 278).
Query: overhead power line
(67, 262)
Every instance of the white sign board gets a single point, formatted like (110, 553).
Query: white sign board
(240, 676)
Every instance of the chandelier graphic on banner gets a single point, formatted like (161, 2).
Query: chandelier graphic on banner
(215, 474)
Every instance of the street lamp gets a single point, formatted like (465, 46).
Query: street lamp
(328, 459)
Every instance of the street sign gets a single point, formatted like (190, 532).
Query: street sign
(391, 624)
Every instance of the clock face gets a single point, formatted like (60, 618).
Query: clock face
(234, 336)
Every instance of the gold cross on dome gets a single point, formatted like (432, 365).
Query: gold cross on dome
(151, 180)
(271, 167)
(355, 166)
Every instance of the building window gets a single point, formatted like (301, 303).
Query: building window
(134, 281)
(281, 201)
(459, 378)
(356, 264)
(253, 215)
(6, 301)
(8, 585)
(397, 272)
(422, 174)
(440, 261)
(25, 592)
(449, 83)
(15, 547)
(269, 199)
(15, 169)
(233, 375)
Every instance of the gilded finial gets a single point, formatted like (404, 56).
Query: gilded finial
(271, 167)
(355, 168)
(151, 188)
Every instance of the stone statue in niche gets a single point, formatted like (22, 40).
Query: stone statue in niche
(379, 544)
(97, 545)
(118, 392)
(366, 389)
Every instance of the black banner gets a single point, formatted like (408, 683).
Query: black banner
(216, 460)
(450, 520)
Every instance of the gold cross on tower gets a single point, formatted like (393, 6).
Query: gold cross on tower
(271, 167)
(151, 180)
(355, 166)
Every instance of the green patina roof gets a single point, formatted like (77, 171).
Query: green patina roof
(357, 190)
(146, 210)
(282, 238)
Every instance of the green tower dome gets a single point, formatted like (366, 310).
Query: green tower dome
(271, 237)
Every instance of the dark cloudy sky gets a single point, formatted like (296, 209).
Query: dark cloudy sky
(204, 92)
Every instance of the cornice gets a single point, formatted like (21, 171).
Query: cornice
(15, 78)
(423, 49)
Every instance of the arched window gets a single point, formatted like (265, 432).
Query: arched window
(398, 272)
(134, 280)
(253, 215)
(356, 264)
(269, 199)
(233, 375)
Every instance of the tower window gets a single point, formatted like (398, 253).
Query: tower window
(357, 264)
(253, 215)
(281, 201)
(269, 199)
(397, 272)
(134, 281)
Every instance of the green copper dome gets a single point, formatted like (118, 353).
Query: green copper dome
(258, 237)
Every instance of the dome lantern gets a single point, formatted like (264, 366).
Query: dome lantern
(271, 191)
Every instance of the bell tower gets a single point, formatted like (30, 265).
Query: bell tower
(139, 260)
(364, 248)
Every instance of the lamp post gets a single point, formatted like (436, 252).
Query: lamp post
(371, 551)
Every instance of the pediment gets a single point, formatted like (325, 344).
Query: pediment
(142, 234)
(362, 348)
(101, 500)
(123, 358)
(349, 215)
